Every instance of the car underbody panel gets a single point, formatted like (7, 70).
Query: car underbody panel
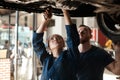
(106, 11)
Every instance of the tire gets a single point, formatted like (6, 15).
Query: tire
(108, 25)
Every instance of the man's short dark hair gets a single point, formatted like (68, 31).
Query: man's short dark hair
(86, 27)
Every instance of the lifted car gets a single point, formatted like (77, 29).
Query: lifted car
(107, 12)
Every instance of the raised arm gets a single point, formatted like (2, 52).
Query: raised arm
(67, 17)
(115, 65)
(46, 17)
(38, 45)
(72, 33)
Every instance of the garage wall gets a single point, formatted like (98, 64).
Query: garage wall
(5, 69)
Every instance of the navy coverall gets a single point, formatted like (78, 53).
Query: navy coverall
(65, 67)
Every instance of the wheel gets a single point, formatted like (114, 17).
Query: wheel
(109, 25)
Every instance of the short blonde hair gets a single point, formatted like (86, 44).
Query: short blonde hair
(58, 37)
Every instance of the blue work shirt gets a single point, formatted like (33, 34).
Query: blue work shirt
(65, 66)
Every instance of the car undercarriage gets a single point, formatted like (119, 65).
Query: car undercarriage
(107, 12)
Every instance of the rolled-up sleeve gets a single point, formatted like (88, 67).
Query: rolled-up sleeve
(39, 46)
(72, 39)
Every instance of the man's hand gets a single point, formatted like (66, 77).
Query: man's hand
(116, 46)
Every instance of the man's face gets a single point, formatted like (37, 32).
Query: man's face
(84, 34)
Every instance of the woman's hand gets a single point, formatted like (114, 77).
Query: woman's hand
(47, 14)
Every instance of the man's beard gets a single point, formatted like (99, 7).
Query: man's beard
(82, 41)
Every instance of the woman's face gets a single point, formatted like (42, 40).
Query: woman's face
(56, 42)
